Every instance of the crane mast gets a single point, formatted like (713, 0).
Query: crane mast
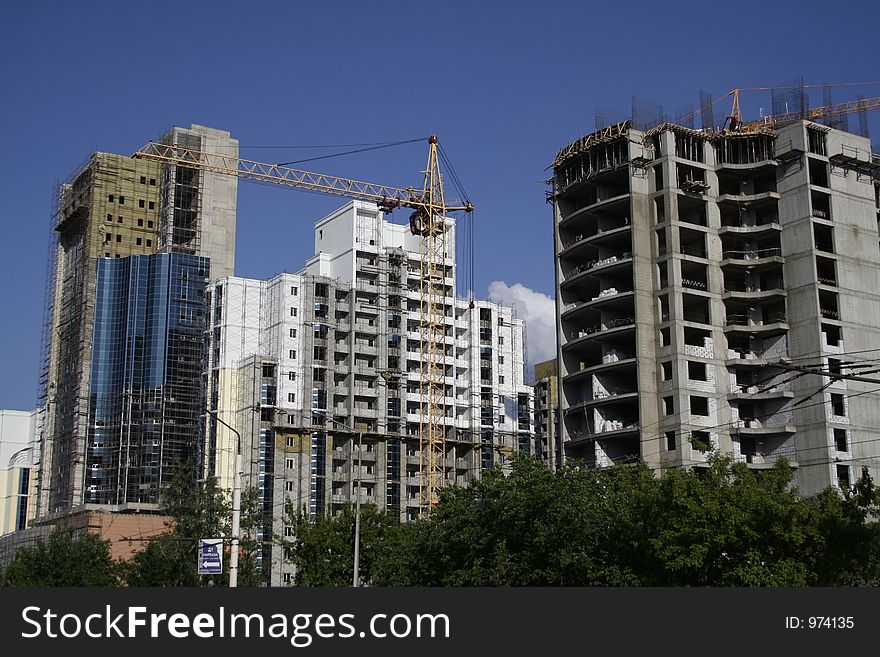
(428, 220)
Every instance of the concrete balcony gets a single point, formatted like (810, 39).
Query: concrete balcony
(624, 364)
(580, 273)
(607, 299)
(742, 323)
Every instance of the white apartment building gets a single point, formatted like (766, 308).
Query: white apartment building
(342, 337)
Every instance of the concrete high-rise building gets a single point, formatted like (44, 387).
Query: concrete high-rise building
(687, 263)
(341, 339)
(114, 207)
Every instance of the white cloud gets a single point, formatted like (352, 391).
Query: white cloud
(539, 312)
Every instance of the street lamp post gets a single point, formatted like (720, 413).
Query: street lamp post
(236, 505)
(357, 506)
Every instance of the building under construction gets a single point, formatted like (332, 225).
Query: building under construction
(303, 363)
(695, 268)
(116, 207)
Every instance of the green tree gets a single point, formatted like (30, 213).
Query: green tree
(63, 560)
(322, 551)
(199, 509)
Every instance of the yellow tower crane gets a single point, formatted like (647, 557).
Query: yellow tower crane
(429, 220)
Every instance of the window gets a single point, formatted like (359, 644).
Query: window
(840, 440)
(109, 217)
(843, 477)
(288, 463)
(291, 397)
(141, 203)
(699, 406)
(670, 440)
(669, 405)
(696, 370)
(500, 321)
(288, 531)
(140, 222)
(268, 371)
(108, 237)
(138, 241)
(152, 181)
(149, 224)
(294, 290)
(290, 441)
(838, 406)
(288, 486)
(500, 379)
(110, 198)
(149, 242)
(665, 339)
(143, 180)
(666, 371)
(291, 376)
(119, 220)
(121, 200)
(701, 441)
(293, 332)
(292, 355)
(501, 360)
(500, 340)
(151, 205)
(293, 312)
(118, 238)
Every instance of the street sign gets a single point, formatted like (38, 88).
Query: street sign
(210, 556)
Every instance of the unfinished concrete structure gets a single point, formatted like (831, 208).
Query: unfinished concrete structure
(113, 207)
(687, 262)
(341, 339)
(546, 386)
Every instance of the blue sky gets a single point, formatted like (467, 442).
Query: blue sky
(504, 85)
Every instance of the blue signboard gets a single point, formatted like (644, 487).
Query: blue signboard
(210, 556)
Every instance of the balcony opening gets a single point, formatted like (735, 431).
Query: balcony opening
(669, 405)
(692, 211)
(665, 339)
(670, 440)
(663, 275)
(816, 141)
(664, 307)
(828, 307)
(695, 337)
(694, 275)
(818, 173)
(838, 404)
(695, 309)
(832, 333)
(821, 203)
(666, 371)
(697, 371)
(692, 243)
(661, 241)
(691, 179)
(689, 147)
(826, 271)
(701, 441)
(699, 406)
(840, 441)
(658, 180)
(823, 238)
(843, 477)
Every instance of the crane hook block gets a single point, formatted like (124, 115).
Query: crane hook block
(433, 139)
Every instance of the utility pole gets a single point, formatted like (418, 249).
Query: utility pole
(357, 505)
(236, 505)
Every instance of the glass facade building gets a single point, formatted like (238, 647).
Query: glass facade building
(146, 393)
